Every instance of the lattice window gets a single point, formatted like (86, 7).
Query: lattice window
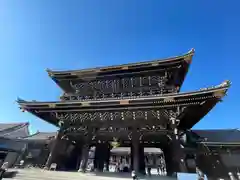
(139, 114)
(116, 115)
(128, 115)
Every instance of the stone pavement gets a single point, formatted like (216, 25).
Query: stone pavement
(38, 174)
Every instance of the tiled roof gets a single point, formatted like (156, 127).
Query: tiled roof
(5, 126)
(223, 135)
(41, 136)
(14, 130)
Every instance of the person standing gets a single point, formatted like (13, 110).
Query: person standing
(134, 175)
(149, 165)
(158, 164)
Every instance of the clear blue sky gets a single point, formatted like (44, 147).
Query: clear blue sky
(63, 35)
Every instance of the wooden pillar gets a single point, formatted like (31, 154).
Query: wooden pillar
(52, 158)
(84, 157)
(178, 154)
(135, 152)
(167, 150)
(141, 160)
(99, 158)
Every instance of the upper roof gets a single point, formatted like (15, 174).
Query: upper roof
(197, 104)
(62, 78)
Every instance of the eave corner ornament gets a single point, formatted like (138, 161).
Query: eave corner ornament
(188, 56)
(226, 83)
(22, 109)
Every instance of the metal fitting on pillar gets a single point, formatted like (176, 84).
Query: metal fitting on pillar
(238, 175)
(175, 131)
(231, 176)
(172, 120)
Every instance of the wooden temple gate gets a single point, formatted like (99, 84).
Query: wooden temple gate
(138, 104)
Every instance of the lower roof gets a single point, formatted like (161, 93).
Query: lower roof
(195, 105)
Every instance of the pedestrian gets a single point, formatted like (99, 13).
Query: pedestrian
(134, 176)
(158, 165)
(21, 163)
(3, 169)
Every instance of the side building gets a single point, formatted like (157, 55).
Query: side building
(17, 144)
(11, 145)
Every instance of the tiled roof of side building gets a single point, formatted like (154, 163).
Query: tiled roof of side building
(41, 136)
(6, 126)
(220, 136)
(14, 130)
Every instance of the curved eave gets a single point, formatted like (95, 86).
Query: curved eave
(192, 115)
(207, 99)
(60, 77)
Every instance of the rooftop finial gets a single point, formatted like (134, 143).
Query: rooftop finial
(19, 100)
(225, 83)
(192, 51)
(49, 72)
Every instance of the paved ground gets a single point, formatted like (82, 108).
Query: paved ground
(37, 174)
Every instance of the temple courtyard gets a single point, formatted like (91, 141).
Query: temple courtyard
(38, 174)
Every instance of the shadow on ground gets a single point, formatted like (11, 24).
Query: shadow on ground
(10, 174)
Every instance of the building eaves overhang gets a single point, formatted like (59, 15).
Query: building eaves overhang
(196, 104)
(62, 78)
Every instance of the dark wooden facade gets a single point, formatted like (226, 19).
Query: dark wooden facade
(138, 104)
